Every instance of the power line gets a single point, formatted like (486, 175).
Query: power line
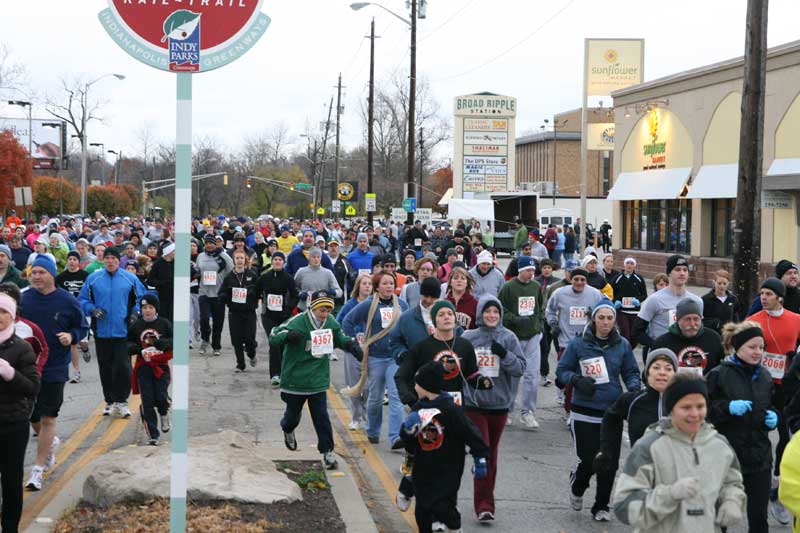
(446, 22)
(512, 47)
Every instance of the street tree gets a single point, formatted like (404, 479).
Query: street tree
(15, 168)
(49, 194)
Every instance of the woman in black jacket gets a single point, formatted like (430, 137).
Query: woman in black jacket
(278, 295)
(720, 305)
(19, 385)
(740, 392)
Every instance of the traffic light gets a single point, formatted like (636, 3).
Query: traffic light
(224, 179)
(291, 185)
(249, 182)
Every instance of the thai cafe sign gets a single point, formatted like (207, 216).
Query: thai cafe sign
(485, 126)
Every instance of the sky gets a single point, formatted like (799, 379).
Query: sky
(532, 50)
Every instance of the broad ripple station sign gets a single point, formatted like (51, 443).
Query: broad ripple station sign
(185, 35)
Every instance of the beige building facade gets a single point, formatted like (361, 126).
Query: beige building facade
(676, 165)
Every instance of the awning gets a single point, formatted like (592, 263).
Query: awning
(715, 181)
(783, 175)
(661, 184)
(446, 197)
(467, 209)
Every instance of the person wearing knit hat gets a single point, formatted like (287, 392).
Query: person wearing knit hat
(430, 377)
(112, 251)
(655, 469)
(786, 271)
(775, 285)
(8, 272)
(699, 349)
(46, 262)
(488, 278)
(594, 278)
(595, 364)
(149, 299)
(630, 290)
(278, 294)
(675, 261)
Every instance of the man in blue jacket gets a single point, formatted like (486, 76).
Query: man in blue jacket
(111, 296)
(415, 323)
(360, 260)
(298, 258)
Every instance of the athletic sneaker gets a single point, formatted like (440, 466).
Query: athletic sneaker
(35, 481)
(602, 516)
(576, 502)
(153, 442)
(166, 425)
(528, 420)
(51, 457)
(510, 420)
(329, 458)
(108, 409)
(438, 526)
(123, 411)
(289, 440)
(486, 516)
(275, 381)
(385, 398)
(238, 370)
(354, 425)
(398, 444)
(84, 346)
(76, 378)
(217, 353)
(402, 502)
(779, 512)
(545, 381)
(373, 440)
(333, 356)
(253, 361)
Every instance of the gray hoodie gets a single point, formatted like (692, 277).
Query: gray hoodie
(488, 284)
(312, 279)
(207, 263)
(570, 311)
(498, 398)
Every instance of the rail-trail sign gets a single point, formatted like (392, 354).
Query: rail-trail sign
(185, 37)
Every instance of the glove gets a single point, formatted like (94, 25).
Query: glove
(412, 423)
(740, 407)
(603, 462)
(131, 320)
(498, 349)
(584, 384)
(687, 487)
(728, 515)
(355, 349)
(99, 313)
(484, 383)
(481, 468)
(771, 420)
(555, 330)
(294, 336)
(6, 370)
(636, 302)
(618, 305)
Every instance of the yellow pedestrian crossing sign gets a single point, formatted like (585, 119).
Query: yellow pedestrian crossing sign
(350, 211)
(320, 210)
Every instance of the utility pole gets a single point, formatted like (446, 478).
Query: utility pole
(421, 167)
(412, 102)
(338, 119)
(747, 230)
(371, 112)
(321, 187)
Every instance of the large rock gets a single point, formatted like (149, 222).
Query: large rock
(222, 466)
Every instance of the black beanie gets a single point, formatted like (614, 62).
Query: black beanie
(149, 299)
(775, 285)
(430, 377)
(112, 250)
(430, 287)
(682, 385)
(75, 254)
(783, 266)
(676, 260)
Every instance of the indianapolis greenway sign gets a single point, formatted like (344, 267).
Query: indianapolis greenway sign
(185, 35)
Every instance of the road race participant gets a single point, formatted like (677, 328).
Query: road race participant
(213, 264)
(488, 278)
(523, 315)
(630, 290)
(150, 340)
(72, 280)
(61, 319)
(720, 305)
(298, 258)
(698, 348)
(596, 279)
(278, 297)
(162, 277)
(286, 241)
(459, 293)
(681, 476)
(546, 280)
(8, 272)
(781, 329)
(789, 491)
(593, 365)
(500, 358)
(240, 294)
(423, 268)
(657, 313)
(341, 269)
(307, 340)
(741, 409)
(436, 432)
(787, 272)
(314, 277)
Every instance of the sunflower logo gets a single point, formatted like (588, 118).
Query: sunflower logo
(654, 124)
(611, 55)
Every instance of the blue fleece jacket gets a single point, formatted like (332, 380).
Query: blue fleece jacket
(55, 313)
(357, 318)
(410, 330)
(118, 294)
(297, 260)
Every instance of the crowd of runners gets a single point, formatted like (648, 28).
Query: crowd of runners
(433, 335)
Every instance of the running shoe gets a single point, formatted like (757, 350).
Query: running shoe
(545, 381)
(153, 442)
(354, 425)
(402, 502)
(203, 348)
(576, 502)
(35, 481)
(84, 346)
(253, 361)
(602, 516)
(528, 420)
(779, 512)
(108, 409)
(76, 378)
(123, 410)
(51, 457)
(289, 440)
(217, 353)
(398, 444)
(275, 381)
(438, 526)
(166, 425)
(329, 458)
(486, 516)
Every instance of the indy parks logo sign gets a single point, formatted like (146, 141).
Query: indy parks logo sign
(185, 35)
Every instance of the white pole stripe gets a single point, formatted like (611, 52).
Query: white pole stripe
(180, 312)
(180, 387)
(184, 127)
(183, 196)
(180, 470)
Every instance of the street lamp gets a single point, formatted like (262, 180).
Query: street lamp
(60, 127)
(102, 147)
(84, 104)
(23, 103)
(118, 166)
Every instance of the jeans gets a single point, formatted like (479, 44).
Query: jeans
(381, 377)
(352, 373)
(557, 255)
(155, 397)
(318, 405)
(586, 436)
(213, 309)
(531, 349)
(13, 443)
(115, 369)
(491, 426)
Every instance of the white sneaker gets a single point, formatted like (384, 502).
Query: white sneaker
(545, 381)
(51, 457)
(528, 420)
(166, 425)
(602, 516)
(438, 526)
(329, 458)
(203, 348)
(402, 502)
(123, 411)
(354, 425)
(334, 356)
(35, 481)
(779, 512)
(576, 502)
(510, 420)
(108, 409)
(114, 411)
(275, 381)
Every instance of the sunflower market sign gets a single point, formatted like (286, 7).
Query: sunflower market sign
(185, 35)
(613, 64)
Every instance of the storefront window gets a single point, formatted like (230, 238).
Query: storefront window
(657, 225)
(722, 220)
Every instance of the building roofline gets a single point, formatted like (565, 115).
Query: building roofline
(548, 136)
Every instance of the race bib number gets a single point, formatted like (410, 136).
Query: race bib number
(387, 313)
(694, 370)
(150, 352)
(321, 342)
(456, 397)
(418, 242)
(526, 305)
(275, 302)
(775, 365)
(672, 316)
(627, 301)
(577, 316)
(239, 295)
(209, 277)
(229, 244)
(460, 257)
(193, 283)
(488, 363)
(362, 271)
(596, 369)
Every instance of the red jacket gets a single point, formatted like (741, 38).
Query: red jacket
(25, 329)
(466, 309)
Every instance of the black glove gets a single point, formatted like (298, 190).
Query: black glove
(294, 336)
(498, 349)
(99, 313)
(584, 384)
(603, 462)
(484, 383)
(131, 320)
(355, 349)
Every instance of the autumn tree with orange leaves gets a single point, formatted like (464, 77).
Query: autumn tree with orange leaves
(15, 169)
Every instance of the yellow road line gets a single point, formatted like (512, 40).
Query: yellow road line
(97, 449)
(388, 481)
